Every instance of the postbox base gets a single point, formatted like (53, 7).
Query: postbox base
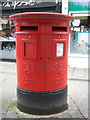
(41, 103)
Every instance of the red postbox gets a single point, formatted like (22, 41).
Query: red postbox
(42, 52)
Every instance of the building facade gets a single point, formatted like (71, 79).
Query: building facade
(80, 30)
(10, 7)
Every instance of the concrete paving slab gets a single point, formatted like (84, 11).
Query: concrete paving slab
(64, 114)
(0, 106)
(71, 68)
(11, 114)
(71, 104)
(6, 67)
(87, 74)
(6, 99)
(0, 78)
(70, 72)
(79, 73)
(79, 94)
(0, 100)
(3, 75)
(7, 93)
(75, 114)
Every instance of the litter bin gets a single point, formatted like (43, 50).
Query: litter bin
(41, 54)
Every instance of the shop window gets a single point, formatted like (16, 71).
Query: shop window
(79, 37)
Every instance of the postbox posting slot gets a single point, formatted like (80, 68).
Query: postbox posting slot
(59, 29)
(31, 28)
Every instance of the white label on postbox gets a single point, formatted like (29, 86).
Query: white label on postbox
(60, 49)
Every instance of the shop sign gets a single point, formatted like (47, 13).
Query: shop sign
(76, 22)
(3, 21)
(79, 5)
(24, 3)
(15, 4)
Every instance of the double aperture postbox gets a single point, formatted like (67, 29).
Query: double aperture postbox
(42, 52)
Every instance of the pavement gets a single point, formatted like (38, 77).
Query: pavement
(77, 94)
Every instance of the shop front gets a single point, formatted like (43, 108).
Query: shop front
(7, 40)
(7, 37)
(80, 30)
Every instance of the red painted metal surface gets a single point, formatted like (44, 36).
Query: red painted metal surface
(37, 35)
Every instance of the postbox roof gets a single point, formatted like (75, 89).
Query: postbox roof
(41, 17)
